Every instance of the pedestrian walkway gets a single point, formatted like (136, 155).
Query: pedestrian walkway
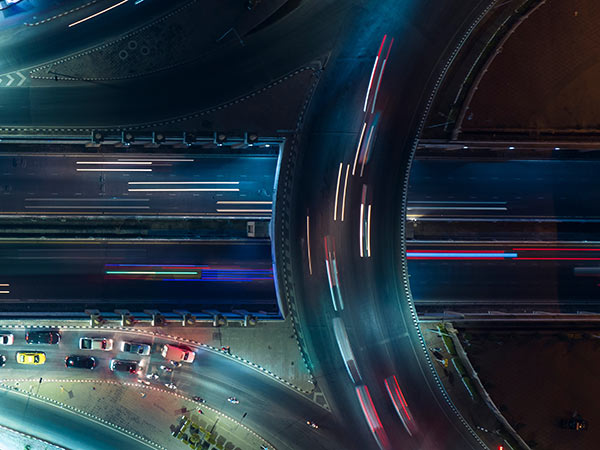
(15, 440)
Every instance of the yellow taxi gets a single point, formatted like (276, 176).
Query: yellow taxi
(31, 358)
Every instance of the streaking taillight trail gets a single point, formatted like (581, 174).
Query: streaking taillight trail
(399, 402)
(368, 408)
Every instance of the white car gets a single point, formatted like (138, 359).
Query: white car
(86, 343)
(7, 339)
(136, 348)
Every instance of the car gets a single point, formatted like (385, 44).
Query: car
(42, 337)
(2, 360)
(7, 339)
(176, 353)
(312, 424)
(121, 365)
(136, 348)
(80, 362)
(171, 386)
(35, 358)
(233, 400)
(87, 343)
(574, 423)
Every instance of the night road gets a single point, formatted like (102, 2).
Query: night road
(138, 184)
(74, 275)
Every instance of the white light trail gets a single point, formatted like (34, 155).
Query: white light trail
(114, 170)
(370, 82)
(84, 207)
(345, 188)
(183, 182)
(381, 75)
(261, 211)
(98, 13)
(360, 230)
(337, 192)
(367, 146)
(369, 231)
(187, 190)
(227, 202)
(142, 163)
(362, 135)
(459, 208)
(157, 160)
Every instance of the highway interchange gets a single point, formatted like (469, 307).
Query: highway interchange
(344, 208)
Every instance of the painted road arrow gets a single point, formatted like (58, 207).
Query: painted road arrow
(23, 78)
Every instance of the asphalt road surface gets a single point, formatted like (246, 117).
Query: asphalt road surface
(156, 184)
(509, 189)
(228, 70)
(73, 275)
(355, 211)
(508, 276)
(25, 46)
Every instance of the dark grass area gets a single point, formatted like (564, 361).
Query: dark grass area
(545, 76)
(538, 379)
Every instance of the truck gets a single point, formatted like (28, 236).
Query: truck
(176, 353)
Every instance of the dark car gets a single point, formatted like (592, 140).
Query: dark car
(80, 362)
(574, 423)
(120, 365)
(42, 337)
(2, 360)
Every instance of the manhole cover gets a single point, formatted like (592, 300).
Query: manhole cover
(145, 50)
(132, 45)
(123, 54)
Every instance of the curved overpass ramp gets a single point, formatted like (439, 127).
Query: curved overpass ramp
(346, 207)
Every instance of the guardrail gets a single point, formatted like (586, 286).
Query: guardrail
(92, 138)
